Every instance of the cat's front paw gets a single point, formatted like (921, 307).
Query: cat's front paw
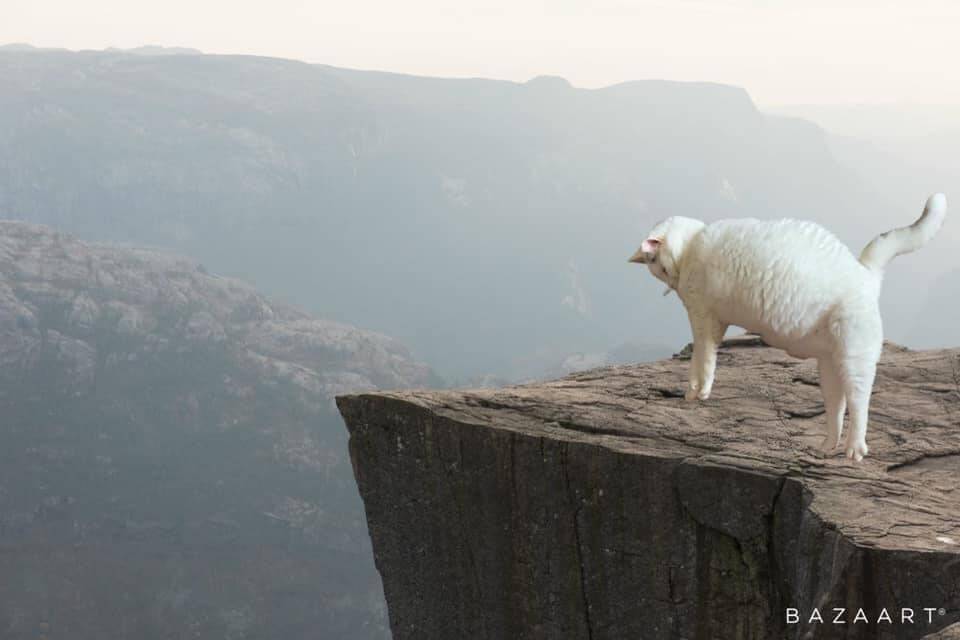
(693, 395)
(829, 445)
(857, 450)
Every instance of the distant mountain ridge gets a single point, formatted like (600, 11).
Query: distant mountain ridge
(462, 216)
(157, 50)
(145, 50)
(161, 299)
(23, 46)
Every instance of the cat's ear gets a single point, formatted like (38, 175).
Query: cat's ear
(647, 250)
(651, 245)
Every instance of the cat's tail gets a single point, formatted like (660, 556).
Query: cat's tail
(889, 245)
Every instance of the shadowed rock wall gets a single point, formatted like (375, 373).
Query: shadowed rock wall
(604, 506)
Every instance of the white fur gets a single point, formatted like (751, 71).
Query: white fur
(798, 287)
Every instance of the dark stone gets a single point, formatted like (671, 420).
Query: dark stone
(598, 506)
(950, 633)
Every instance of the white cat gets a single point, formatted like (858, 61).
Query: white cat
(798, 287)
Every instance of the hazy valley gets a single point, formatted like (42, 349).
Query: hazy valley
(484, 224)
(312, 231)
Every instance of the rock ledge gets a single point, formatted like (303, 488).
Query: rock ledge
(604, 506)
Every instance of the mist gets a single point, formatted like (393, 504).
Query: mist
(200, 251)
(485, 224)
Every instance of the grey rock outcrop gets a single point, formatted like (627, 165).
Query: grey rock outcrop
(54, 287)
(171, 462)
(604, 506)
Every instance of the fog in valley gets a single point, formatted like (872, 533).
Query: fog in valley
(484, 224)
(230, 241)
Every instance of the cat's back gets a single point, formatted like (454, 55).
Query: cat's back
(778, 278)
(785, 245)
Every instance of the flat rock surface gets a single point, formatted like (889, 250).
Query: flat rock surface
(765, 414)
(764, 420)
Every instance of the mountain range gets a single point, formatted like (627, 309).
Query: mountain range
(205, 249)
(485, 224)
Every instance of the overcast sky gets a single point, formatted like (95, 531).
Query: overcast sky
(782, 51)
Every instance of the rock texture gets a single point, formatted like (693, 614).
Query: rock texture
(950, 633)
(171, 462)
(604, 506)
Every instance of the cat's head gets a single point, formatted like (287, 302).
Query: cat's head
(663, 249)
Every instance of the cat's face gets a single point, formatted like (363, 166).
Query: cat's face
(649, 254)
(662, 251)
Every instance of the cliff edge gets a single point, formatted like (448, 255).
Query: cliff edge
(602, 505)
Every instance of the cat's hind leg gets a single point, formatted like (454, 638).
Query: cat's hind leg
(834, 402)
(857, 375)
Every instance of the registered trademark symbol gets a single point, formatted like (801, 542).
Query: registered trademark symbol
(941, 611)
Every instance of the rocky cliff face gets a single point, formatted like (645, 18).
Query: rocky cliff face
(604, 506)
(171, 464)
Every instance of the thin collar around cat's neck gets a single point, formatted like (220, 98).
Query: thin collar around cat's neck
(671, 280)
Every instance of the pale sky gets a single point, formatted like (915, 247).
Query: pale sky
(781, 51)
